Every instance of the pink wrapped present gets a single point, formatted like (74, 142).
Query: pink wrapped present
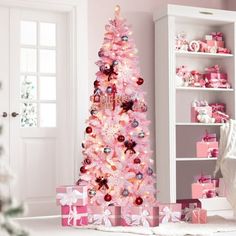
(72, 195)
(74, 215)
(170, 212)
(220, 117)
(187, 206)
(198, 106)
(218, 36)
(223, 50)
(199, 216)
(140, 216)
(218, 107)
(207, 149)
(215, 43)
(203, 190)
(107, 216)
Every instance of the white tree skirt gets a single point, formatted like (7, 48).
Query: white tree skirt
(215, 224)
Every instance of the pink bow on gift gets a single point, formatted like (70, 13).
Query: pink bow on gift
(74, 216)
(209, 138)
(169, 215)
(203, 179)
(213, 69)
(217, 36)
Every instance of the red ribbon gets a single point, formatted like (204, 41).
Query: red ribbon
(114, 91)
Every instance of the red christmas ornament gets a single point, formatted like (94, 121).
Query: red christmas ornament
(89, 130)
(83, 169)
(96, 83)
(137, 160)
(215, 152)
(139, 201)
(210, 194)
(140, 81)
(121, 138)
(107, 197)
(87, 161)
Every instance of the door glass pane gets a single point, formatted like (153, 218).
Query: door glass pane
(48, 115)
(47, 61)
(47, 88)
(28, 87)
(47, 34)
(28, 60)
(28, 32)
(28, 115)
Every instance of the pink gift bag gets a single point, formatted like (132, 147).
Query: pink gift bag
(199, 216)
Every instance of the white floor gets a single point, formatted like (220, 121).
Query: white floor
(51, 226)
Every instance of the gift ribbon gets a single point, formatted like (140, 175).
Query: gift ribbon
(71, 196)
(74, 216)
(169, 215)
(98, 219)
(217, 35)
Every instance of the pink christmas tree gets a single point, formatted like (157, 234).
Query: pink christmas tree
(117, 157)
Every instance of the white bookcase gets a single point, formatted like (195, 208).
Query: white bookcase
(176, 136)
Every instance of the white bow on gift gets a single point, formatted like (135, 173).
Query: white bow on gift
(74, 216)
(98, 219)
(169, 215)
(70, 197)
(138, 219)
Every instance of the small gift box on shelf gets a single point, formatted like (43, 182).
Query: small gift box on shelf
(207, 147)
(140, 216)
(218, 36)
(74, 215)
(201, 112)
(72, 195)
(214, 43)
(169, 212)
(203, 188)
(107, 215)
(187, 206)
(220, 117)
(218, 107)
(199, 216)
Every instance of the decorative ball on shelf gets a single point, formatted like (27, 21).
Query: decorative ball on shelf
(125, 38)
(121, 138)
(107, 150)
(141, 134)
(140, 81)
(134, 123)
(139, 201)
(109, 90)
(96, 83)
(87, 161)
(149, 171)
(139, 175)
(83, 169)
(115, 63)
(107, 197)
(137, 160)
(210, 194)
(215, 152)
(125, 193)
(91, 192)
(89, 130)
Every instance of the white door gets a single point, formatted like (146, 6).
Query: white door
(37, 105)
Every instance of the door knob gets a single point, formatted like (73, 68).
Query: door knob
(4, 114)
(14, 114)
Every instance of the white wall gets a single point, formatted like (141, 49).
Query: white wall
(139, 15)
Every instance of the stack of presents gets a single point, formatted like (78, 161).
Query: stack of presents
(77, 211)
(210, 43)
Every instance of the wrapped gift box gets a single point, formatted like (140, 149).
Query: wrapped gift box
(217, 36)
(203, 190)
(195, 112)
(72, 195)
(199, 216)
(206, 149)
(107, 216)
(74, 215)
(187, 206)
(215, 77)
(140, 216)
(218, 107)
(215, 43)
(170, 212)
